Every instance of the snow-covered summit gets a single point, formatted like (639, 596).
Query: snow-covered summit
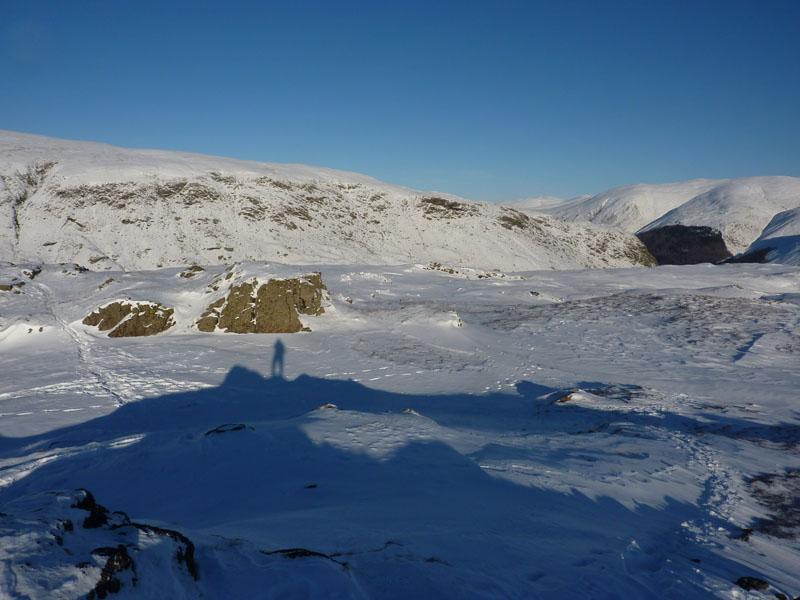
(738, 208)
(109, 207)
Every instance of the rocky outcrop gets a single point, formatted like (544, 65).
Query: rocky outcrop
(131, 319)
(271, 307)
(685, 245)
(96, 553)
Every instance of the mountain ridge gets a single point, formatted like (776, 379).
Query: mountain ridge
(107, 208)
(739, 209)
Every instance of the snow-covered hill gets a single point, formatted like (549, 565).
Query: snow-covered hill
(738, 208)
(780, 240)
(633, 206)
(106, 207)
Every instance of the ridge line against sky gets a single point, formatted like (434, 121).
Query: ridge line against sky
(490, 101)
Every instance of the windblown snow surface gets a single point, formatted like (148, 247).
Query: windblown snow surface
(548, 434)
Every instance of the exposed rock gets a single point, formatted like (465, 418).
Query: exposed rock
(685, 245)
(208, 321)
(752, 583)
(780, 493)
(272, 307)
(228, 427)
(131, 319)
(294, 553)
(568, 397)
(185, 552)
(119, 561)
(442, 208)
(513, 218)
(110, 554)
(756, 256)
(192, 271)
(98, 515)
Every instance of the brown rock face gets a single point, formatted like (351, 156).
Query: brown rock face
(273, 307)
(131, 319)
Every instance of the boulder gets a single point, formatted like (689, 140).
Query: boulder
(131, 319)
(271, 307)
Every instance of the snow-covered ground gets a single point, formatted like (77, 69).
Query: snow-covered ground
(572, 434)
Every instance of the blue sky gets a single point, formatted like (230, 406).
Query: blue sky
(488, 100)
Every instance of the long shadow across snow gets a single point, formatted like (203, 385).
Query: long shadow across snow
(237, 460)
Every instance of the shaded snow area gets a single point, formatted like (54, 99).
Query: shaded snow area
(439, 433)
(780, 239)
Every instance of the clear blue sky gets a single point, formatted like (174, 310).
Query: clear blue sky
(489, 100)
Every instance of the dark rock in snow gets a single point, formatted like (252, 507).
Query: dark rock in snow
(185, 552)
(109, 555)
(228, 427)
(780, 493)
(119, 561)
(293, 553)
(756, 256)
(752, 583)
(685, 245)
(98, 515)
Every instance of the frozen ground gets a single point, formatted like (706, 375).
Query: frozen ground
(576, 434)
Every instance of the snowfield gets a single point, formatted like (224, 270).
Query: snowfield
(441, 432)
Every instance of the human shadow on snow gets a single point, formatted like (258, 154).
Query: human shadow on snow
(261, 450)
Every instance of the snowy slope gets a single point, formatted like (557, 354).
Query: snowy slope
(107, 207)
(631, 207)
(441, 433)
(738, 208)
(782, 237)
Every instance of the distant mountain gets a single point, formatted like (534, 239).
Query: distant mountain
(536, 204)
(735, 210)
(107, 207)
